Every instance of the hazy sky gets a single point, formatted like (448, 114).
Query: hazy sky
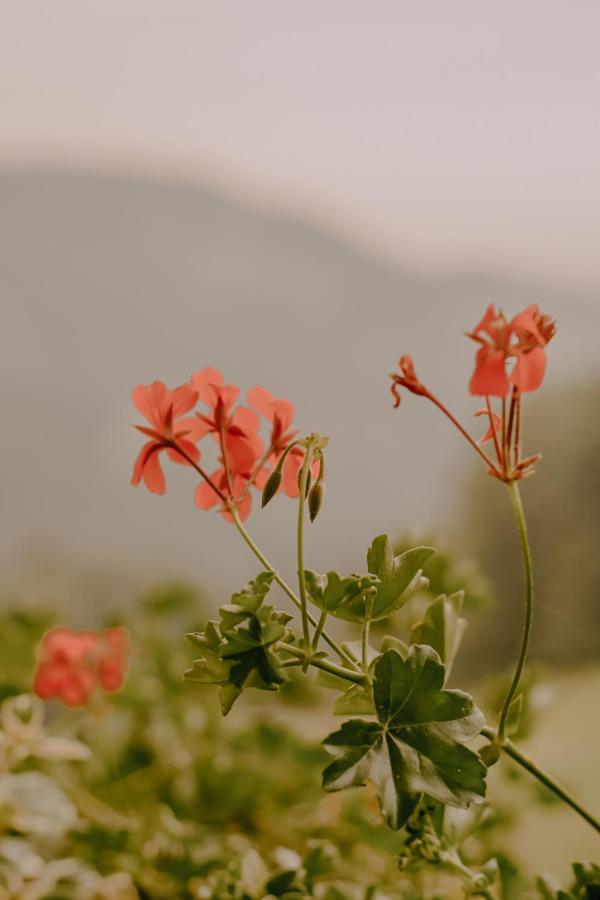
(445, 131)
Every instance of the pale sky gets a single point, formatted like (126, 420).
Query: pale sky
(445, 132)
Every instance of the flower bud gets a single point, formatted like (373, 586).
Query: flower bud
(315, 500)
(308, 481)
(272, 485)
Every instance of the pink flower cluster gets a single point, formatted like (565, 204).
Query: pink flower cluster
(72, 665)
(245, 460)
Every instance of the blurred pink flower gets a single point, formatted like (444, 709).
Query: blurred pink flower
(74, 664)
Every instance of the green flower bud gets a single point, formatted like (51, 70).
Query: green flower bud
(315, 500)
(272, 486)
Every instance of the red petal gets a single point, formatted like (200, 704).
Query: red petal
(183, 398)
(489, 376)
(486, 324)
(495, 425)
(205, 496)
(188, 447)
(262, 400)
(153, 475)
(529, 371)
(246, 420)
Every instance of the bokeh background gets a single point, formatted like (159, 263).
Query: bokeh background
(297, 193)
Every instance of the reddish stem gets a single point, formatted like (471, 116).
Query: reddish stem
(175, 446)
(488, 460)
(494, 435)
(518, 431)
(511, 423)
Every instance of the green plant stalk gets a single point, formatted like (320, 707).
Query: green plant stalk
(365, 635)
(519, 512)
(300, 545)
(319, 630)
(325, 664)
(343, 654)
(532, 767)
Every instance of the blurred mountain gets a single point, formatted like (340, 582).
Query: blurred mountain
(110, 281)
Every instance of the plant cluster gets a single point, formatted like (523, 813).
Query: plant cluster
(422, 747)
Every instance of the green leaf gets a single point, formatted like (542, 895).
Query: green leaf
(514, 715)
(356, 700)
(238, 652)
(417, 745)
(210, 669)
(388, 585)
(391, 642)
(341, 597)
(442, 628)
(252, 594)
(399, 576)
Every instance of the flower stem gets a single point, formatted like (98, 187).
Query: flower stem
(325, 664)
(532, 767)
(494, 435)
(487, 460)
(365, 634)
(343, 654)
(300, 545)
(319, 630)
(519, 512)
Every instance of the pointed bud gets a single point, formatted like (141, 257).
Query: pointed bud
(272, 485)
(315, 500)
(308, 481)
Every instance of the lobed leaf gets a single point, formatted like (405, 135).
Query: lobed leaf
(442, 628)
(417, 745)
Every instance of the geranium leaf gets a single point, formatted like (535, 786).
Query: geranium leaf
(342, 597)
(442, 628)
(417, 744)
(252, 594)
(398, 576)
(239, 651)
(356, 701)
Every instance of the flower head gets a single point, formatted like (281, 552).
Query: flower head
(72, 665)
(408, 379)
(235, 428)
(523, 338)
(163, 409)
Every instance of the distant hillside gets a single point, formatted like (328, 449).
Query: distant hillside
(110, 281)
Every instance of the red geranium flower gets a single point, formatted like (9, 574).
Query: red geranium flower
(162, 408)
(73, 664)
(523, 338)
(236, 429)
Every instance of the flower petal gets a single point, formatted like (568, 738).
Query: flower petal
(205, 496)
(262, 400)
(489, 376)
(153, 475)
(529, 371)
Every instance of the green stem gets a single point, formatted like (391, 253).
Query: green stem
(365, 634)
(343, 654)
(300, 544)
(532, 767)
(517, 503)
(319, 630)
(325, 664)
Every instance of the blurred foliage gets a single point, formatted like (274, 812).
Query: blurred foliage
(171, 802)
(562, 501)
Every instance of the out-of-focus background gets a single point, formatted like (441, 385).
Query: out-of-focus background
(297, 194)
